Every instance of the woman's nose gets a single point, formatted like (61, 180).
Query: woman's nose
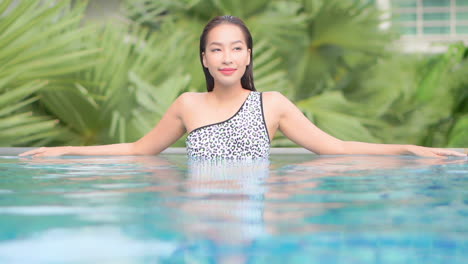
(227, 57)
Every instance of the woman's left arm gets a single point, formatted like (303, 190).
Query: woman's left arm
(294, 125)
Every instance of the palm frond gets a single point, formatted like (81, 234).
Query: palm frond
(341, 36)
(435, 73)
(331, 112)
(458, 135)
(122, 97)
(38, 44)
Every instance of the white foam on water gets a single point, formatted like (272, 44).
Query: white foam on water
(89, 245)
(50, 210)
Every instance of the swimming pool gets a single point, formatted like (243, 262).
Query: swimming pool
(289, 209)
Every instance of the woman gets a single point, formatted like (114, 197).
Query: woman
(232, 120)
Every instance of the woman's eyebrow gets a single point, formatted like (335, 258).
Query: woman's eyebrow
(237, 41)
(220, 44)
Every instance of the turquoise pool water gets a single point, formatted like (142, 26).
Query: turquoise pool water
(290, 209)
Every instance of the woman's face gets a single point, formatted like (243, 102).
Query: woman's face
(226, 55)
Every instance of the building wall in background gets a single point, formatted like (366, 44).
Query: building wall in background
(425, 23)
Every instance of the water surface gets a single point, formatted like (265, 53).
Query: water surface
(289, 209)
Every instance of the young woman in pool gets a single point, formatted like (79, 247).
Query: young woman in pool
(232, 119)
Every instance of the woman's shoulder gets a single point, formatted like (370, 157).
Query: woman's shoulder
(276, 104)
(273, 97)
(186, 95)
(185, 100)
(190, 97)
(188, 100)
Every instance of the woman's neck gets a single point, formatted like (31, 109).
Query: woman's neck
(228, 93)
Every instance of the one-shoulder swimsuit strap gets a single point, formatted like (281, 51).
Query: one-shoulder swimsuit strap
(243, 136)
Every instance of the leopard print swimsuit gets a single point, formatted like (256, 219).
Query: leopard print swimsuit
(243, 136)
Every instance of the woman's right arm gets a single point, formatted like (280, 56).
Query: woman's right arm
(169, 129)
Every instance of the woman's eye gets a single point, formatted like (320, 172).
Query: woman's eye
(215, 50)
(238, 48)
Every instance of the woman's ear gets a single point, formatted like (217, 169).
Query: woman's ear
(248, 56)
(204, 60)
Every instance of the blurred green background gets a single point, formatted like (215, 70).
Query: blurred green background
(99, 72)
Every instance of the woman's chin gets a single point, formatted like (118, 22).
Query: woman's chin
(228, 83)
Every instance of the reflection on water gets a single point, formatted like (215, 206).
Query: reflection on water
(227, 199)
(287, 209)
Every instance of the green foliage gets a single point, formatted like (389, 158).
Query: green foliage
(63, 82)
(458, 135)
(341, 36)
(37, 47)
(333, 113)
(123, 96)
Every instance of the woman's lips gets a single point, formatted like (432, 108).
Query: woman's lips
(227, 71)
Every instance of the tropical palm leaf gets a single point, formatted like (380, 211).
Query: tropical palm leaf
(37, 42)
(16, 127)
(283, 24)
(337, 116)
(122, 97)
(390, 84)
(451, 130)
(458, 135)
(401, 90)
(342, 35)
(436, 73)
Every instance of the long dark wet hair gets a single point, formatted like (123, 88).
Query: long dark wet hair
(247, 80)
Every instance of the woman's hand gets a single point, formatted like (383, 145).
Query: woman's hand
(432, 152)
(47, 152)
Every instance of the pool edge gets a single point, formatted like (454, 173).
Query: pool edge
(13, 151)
